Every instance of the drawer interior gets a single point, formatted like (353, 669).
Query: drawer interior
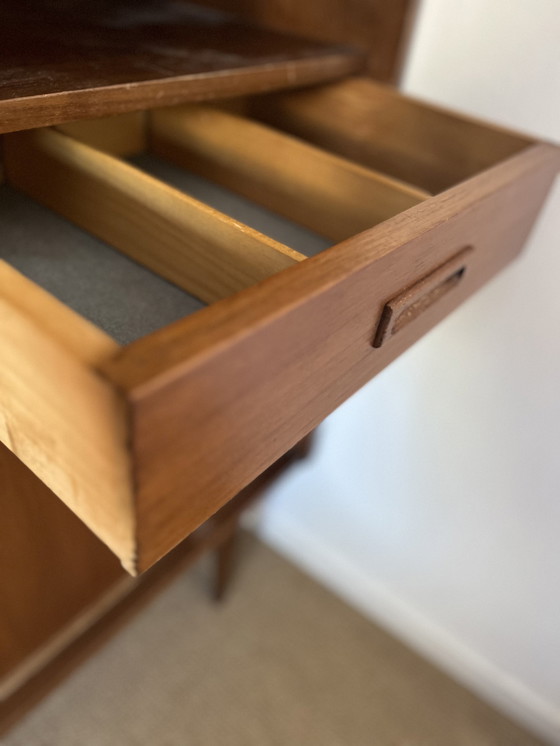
(139, 220)
(232, 203)
(374, 125)
(259, 332)
(119, 295)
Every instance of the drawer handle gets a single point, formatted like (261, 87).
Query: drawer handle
(412, 302)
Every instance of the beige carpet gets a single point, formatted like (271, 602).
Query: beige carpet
(281, 663)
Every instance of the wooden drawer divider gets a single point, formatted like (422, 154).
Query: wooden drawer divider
(185, 241)
(326, 193)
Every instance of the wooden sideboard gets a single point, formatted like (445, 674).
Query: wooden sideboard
(156, 431)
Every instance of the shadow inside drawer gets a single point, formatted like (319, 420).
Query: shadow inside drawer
(116, 293)
(125, 299)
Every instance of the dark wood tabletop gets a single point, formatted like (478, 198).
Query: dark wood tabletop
(61, 61)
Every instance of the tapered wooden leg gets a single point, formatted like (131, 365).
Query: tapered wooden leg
(302, 449)
(231, 513)
(225, 560)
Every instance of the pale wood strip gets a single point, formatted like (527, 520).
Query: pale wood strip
(123, 135)
(376, 126)
(198, 248)
(60, 417)
(323, 192)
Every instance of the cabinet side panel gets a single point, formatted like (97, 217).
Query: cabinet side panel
(51, 566)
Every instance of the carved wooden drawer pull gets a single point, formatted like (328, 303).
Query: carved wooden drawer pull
(408, 305)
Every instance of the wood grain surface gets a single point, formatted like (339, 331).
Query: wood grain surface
(217, 397)
(380, 28)
(376, 126)
(82, 592)
(58, 415)
(194, 412)
(121, 134)
(185, 241)
(74, 60)
(328, 194)
(51, 567)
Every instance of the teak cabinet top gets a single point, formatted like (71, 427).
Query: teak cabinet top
(66, 61)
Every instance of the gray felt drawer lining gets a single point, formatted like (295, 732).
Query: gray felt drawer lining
(125, 299)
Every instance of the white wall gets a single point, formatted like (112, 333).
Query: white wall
(433, 500)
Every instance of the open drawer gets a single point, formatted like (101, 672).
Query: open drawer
(144, 441)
